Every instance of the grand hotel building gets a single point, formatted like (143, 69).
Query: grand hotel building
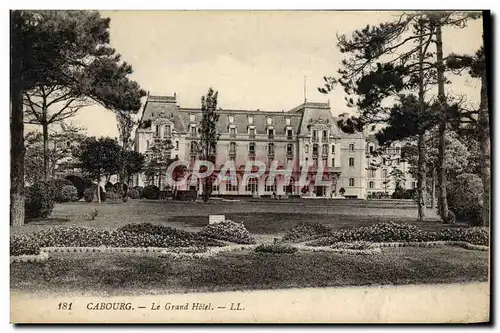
(308, 132)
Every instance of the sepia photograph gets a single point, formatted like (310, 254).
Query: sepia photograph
(244, 166)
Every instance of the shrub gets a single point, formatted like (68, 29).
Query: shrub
(133, 194)
(80, 183)
(120, 188)
(89, 194)
(23, 245)
(108, 186)
(57, 186)
(304, 231)
(229, 231)
(39, 200)
(275, 248)
(151, 192)
(465, 198)
(68, 193)
(113, 197)
(140, 190)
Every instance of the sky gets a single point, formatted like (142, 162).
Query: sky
(255, 60)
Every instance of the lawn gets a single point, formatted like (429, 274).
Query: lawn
(120, 274)
(262, 218)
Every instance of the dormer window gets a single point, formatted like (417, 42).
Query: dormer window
(270, 133)
(315, 135)
(192, 118)
(157, 131)
(269, 120)
(250, 119)
(232, 132)
(289, 134)
(231, 119)
(287, 121)
(251, 132)
(398, 150)
(193, 131)
(325, 135)
(168, 131)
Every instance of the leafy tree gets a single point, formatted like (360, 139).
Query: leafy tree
(209, 136)
(477, 121)
(60, 150)
(58, 57)
(133, 162)
(158, 158)
(90, 72)
(99, 157)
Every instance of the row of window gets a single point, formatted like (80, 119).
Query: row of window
(250, 119)
(371, 184)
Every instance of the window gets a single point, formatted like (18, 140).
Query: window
(333, 149)
(271, 188)
(230, 187)
(232, 148)
(289, 149)
(333, 163)
(192, 117)
(351, 147)
(325, 162)
(270, 149)
(270, 161)
(325, 135)
(147, 144)
(194, 147)
(250, 119)
(398, 150)
(177, 145)
(315, 136)
(251, 132)
(315, 162)
(287, 121)
(269, 121)
(232, 132)
(371, 184)
(351, 181)
(289, 134)
(231, 119)
(252, 185)
(215, 184)
(325, 150)
(413, 185)
(373, 173)
(193, 131)
(251, 148)
(167, 131)
(270, 133)
(306, 149)
(157, 131)
(398, 161)
(351, 161)
(315, 149)
(371, 149)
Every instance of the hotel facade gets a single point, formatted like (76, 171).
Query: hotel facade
(305, 135)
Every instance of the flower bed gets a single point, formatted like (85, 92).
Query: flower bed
(387, 232)
(229, 231)
(305, 231)
(140, 236)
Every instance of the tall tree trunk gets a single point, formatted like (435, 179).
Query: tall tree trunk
(433, 189)
(421, 178)
(45, 134)
(484, 148)
(421, 164)
(17, 151)
(99, 189)
(442, 200)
